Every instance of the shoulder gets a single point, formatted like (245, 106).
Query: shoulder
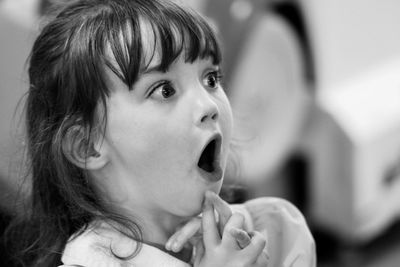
(98, 246)
(104, 246)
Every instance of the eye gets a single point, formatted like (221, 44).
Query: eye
(213, 79)
(163, 91)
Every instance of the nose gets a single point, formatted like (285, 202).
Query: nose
(207, 109)
(212, 116)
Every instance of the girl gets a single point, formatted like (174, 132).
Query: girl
(128, 133)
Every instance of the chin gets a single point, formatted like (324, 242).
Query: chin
(194, 209)
(189, 212)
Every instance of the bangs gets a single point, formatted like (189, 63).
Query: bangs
(158, 34)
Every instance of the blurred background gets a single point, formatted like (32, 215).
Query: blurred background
(315, 90)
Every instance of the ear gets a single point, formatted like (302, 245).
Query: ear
(82, 151)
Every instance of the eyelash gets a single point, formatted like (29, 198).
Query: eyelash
(160, 86)
(217, 75)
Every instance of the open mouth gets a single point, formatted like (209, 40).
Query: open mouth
(209, 159)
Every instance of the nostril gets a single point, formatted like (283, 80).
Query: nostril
(211, 116)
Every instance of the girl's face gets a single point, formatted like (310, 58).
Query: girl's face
(167, 140)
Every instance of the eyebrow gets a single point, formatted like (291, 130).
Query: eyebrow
(156, 69)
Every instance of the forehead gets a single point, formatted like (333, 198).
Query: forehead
(151, 45)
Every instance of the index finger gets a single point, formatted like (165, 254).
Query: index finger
(183, 235)
(210, 231)
(222, 208)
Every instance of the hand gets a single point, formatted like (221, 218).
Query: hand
(192, 230)
(214, 250)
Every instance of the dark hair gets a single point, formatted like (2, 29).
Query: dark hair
(68, 84)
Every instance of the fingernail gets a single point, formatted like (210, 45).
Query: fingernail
(209, 193)
(265, 233)
(175, 247)
(233, 232)
(251, 234)
(210, 196)
(242, 238)
(168, 245)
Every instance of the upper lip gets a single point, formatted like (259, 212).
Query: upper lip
(217, 151)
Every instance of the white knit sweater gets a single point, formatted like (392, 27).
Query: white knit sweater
(289, 244)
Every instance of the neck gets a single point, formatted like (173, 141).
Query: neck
(159, 230)
(157, 227)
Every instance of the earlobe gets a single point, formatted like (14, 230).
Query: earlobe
(97, 156)
(82, 151)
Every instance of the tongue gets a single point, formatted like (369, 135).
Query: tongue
(207, 158)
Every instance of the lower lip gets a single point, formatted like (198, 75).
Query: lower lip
(214, 176)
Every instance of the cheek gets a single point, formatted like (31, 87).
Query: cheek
(129, 138)
(226, 124)
(151, 149)
(226, 118)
